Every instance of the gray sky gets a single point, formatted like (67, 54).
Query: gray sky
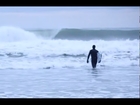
(70, 17)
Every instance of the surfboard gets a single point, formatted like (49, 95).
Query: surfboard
(99, 57)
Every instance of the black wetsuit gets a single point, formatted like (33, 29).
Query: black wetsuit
(93, 54)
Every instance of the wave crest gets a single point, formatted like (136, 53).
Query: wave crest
(12, 34)
(81, 34)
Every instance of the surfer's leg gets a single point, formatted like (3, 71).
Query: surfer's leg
(93, 63)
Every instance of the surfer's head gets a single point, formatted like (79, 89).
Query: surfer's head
(93, 46)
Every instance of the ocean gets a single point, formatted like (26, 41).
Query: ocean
(51, 63)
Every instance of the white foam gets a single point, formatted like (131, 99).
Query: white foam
(12, 34)
(115, 53)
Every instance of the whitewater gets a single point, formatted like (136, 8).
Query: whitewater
(52, 63)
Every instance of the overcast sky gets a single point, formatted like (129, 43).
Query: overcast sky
(70, 17)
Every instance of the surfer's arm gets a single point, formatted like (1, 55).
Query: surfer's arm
(88, 56)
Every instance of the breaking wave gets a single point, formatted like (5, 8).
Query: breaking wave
(81, 34)
(12, 34)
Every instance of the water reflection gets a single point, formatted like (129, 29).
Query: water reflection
(94, 72)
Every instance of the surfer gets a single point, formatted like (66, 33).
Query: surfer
(93, 52)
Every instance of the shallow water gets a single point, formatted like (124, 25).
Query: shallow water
(70, 83)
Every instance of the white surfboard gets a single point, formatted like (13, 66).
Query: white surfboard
(99, 57)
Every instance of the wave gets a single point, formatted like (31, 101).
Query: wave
(12, 34)
(119, 55)
(20, 54)
(82, 34)
(68, 55)
(13, 54)
(46, 33)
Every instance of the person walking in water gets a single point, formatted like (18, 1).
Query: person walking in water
(93, 53)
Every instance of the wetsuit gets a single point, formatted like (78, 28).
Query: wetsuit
(93, 54)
